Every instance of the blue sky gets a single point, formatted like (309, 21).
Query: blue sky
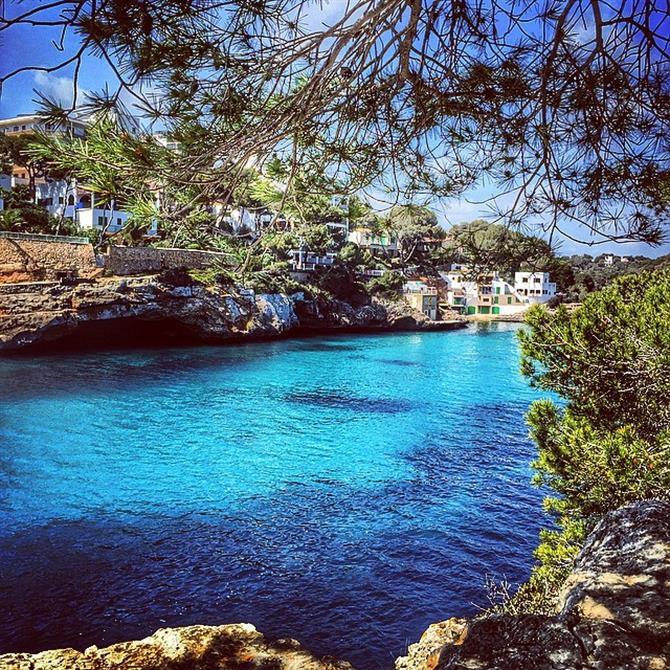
(24, 46)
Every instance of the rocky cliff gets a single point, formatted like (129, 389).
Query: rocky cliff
(613, 614)
(233, 647)
(174, 305)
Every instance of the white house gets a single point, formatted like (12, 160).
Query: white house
(491, 295)
(382, 243)
(307, 261)
(59, 197)
(534, 287)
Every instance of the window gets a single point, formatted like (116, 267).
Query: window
(525, 280)
(61, 200)
(15, 128)
(23, 127)
(101, 221)
(509, 300)
(119, 222)
(70, 200)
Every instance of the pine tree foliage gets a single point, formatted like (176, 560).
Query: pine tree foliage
(563, 103)
(608, 442)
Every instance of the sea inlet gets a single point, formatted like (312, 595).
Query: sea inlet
(346, 491)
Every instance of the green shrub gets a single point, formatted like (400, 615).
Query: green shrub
(609, 444)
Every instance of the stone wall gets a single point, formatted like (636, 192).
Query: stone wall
(149, 260)
(31, 259)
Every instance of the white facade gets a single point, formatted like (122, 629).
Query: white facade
(26, 123)
(97, 218)
(114, 221)
(366, 239)
(58, 197)
(492, 295)
(306, 261)
(535, 287)
(168, 143)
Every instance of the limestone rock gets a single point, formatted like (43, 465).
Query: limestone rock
(39, 313)
(613, 614)
(231, 647)
(425, 654)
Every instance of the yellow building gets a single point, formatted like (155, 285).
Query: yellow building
(422, 298)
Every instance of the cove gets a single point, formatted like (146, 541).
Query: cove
(346, 491)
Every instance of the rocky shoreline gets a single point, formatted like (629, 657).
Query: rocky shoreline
(173, 307)
(613, 614)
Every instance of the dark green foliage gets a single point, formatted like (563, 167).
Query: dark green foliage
(592, 273)
(610, 359)
(388, 285)
(484, 246)
(609, 443)
(22, 215)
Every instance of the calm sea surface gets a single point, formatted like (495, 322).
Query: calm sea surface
(345, 491)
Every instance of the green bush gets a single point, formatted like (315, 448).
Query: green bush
(388, 285)
(609, 443)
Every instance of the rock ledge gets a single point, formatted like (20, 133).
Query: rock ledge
(231, 647)
(613, 613)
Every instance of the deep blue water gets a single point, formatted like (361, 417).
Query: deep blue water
(345, 491)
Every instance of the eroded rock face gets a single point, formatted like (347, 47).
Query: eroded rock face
(232, 647)
(36, 314)
(425, 654)
(613, 614)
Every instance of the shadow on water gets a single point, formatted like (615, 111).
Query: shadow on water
(342, 400)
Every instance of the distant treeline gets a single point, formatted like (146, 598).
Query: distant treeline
(588, 273)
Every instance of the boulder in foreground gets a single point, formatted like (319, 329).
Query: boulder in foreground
(231, 647)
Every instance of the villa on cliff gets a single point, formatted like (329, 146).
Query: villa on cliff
(64, 198)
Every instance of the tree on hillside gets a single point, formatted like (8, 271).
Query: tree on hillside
(411, 225)
(609, 443)
(563, 104)
(485, 246)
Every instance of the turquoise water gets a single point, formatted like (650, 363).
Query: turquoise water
(345, 491)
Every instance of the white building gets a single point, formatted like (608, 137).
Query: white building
(167, 142)
(491, 295)
(534, 287)
(31, 123)
(59, 197)
(307, 261)
(381, 243)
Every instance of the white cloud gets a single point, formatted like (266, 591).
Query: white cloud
(58, 89)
